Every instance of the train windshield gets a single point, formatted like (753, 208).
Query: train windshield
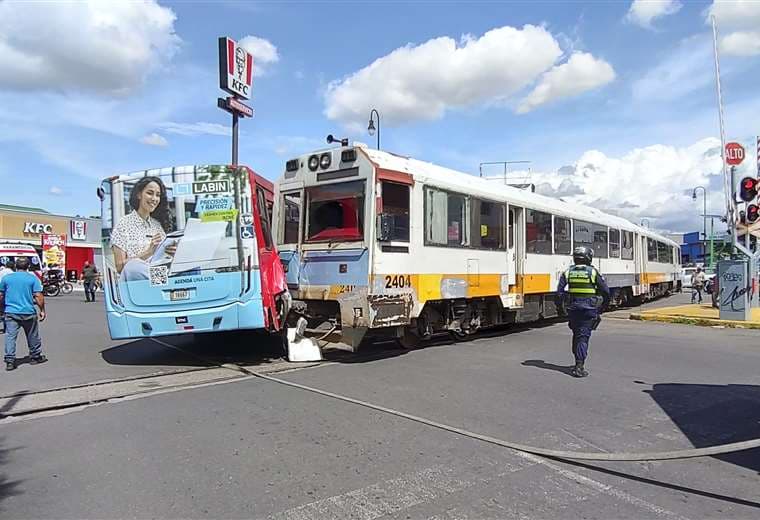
(335, 212)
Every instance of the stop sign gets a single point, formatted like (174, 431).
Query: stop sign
(734, 154)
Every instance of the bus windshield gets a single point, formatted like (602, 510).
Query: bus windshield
(176, 227)
(335, 212)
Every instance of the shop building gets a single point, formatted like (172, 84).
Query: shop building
(26, 225)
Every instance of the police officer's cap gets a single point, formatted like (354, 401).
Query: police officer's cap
(583, 255)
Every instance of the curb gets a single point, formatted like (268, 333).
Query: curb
(700, 322)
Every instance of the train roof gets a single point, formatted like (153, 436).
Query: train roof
(446, 177)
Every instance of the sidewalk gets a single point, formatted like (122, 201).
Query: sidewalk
(695, 314)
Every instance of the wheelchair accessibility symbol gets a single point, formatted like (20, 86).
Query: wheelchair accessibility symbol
(246, 232)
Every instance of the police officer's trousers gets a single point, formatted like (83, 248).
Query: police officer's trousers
(581, 322)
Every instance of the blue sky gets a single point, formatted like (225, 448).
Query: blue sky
(612, 102)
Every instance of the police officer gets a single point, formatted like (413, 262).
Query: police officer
(584, 283)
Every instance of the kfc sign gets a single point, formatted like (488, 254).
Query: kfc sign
(34, 228)
(235, 69)
(78, 230)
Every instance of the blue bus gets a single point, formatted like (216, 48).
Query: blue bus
(189, 249)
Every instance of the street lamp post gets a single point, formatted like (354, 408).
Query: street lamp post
(704, 218)
(371, 125)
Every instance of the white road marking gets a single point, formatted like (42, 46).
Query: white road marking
(381, 499)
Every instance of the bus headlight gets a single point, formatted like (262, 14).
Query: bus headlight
(325, 160)
(313, 163)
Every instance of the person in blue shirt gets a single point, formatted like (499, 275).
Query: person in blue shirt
(584, 286)
(19, 293)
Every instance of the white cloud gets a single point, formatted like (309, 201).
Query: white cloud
(644, 12)
(193, 129)
(739, 20)
(741, 43)
(55, 190)
(581, 73)
(154, 139)
(423, 81)
(653, 182)
(107, 47)
(264, 53)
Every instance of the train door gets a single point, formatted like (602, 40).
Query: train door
(514, 264)
(641, 264)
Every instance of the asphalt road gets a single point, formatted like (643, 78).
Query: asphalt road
(75, 338)
(254, 448)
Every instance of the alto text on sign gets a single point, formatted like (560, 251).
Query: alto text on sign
(734, 154)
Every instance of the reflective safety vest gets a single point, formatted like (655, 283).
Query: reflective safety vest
(581, 280)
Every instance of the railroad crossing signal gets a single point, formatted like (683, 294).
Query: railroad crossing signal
(748, 189)
(748, 219)
(753, 212)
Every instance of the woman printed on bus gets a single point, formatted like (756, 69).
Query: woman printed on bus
(137, 235)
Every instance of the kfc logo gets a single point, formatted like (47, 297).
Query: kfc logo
(78, 230)
(235, 69)
(34, 228)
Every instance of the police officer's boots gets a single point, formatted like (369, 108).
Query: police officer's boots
(578, 370)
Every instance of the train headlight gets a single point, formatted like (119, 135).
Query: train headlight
(325, 161)
(313, 163)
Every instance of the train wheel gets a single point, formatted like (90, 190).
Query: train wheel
(408, 339)
(459, 335)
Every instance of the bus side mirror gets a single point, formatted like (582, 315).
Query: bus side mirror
(384, 227)
(101, 193)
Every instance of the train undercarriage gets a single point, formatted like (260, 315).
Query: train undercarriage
(460, 318)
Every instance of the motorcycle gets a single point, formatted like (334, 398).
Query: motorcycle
(54, 285)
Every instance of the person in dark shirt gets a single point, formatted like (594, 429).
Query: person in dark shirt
(584, 285)
(90, 276)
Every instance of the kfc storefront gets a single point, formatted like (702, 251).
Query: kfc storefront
(76, 239)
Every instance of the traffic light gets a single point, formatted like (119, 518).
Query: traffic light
(753, 213)
(748, 189)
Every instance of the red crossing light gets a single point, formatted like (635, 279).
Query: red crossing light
(753, 213)
(748, 189)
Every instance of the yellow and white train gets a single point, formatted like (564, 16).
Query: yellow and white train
(375, 243)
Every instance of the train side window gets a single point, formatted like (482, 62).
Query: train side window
(651, 250)
(662, 253)
(487, 224)
(538, 232)
(627, 249)
(446, 218)
(562, 240)
(456, 231)
(511, 229)
(395, 209)
(583, 234)
(291, 217)
(614, 243)
(601, 240)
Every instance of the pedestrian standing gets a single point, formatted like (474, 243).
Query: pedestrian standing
(19, 292)
(697, 284)
(89, 275)
(6, 265)
(584, 286)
